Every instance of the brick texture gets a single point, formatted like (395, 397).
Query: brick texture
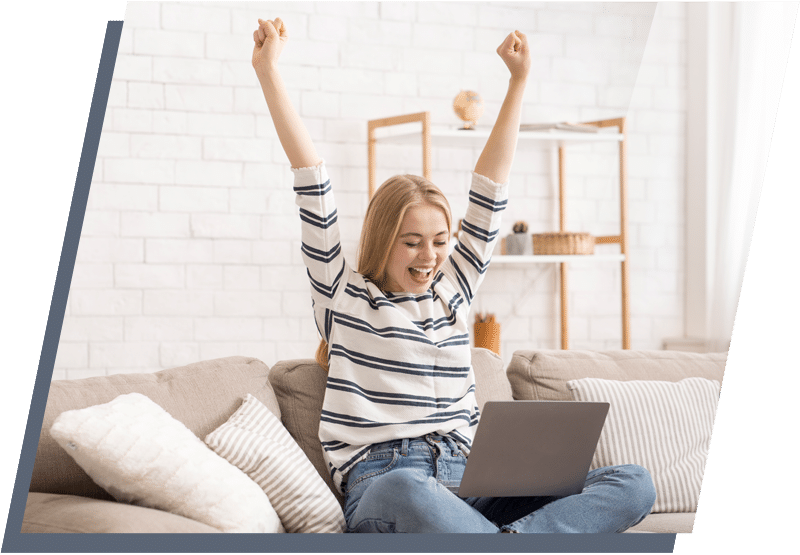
(190, 246)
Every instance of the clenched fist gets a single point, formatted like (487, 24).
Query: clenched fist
(270, 38)
(515, 53)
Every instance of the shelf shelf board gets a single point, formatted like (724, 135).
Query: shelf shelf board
(549, 258)
(476, 138)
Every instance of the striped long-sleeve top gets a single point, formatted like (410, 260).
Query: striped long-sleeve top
(399, 363)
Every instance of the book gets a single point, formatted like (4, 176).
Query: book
(561, 126)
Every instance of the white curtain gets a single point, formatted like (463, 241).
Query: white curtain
(749, 76)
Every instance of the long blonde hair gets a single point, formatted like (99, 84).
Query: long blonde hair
(385, 214)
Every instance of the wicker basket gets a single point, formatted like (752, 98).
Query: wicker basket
(563, 243)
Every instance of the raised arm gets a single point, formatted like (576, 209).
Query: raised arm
(498, 154)
(270, 38)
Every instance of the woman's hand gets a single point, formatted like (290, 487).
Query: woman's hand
(515, 53)
(498, 153)
(270, 38)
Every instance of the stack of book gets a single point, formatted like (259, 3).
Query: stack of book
(562, 126)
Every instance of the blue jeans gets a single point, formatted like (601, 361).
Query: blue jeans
(400, 487)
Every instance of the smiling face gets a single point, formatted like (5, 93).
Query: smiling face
(418, 251)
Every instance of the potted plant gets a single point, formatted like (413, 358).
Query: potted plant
(517, 243)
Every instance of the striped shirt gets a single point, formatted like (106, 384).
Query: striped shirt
(399, 363)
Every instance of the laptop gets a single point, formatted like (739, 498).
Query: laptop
(532, 448)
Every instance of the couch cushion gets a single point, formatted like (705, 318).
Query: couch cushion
(256, 442)
(300, 388)
(491, 383)
(138, 453)
(543, 375)
(663, 426)
(665, 523)
(60, 514)
(202, 396)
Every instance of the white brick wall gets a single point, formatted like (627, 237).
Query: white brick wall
(190, 245)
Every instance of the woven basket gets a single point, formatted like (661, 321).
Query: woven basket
(563, 243)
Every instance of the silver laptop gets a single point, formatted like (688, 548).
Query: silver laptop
(532, 448)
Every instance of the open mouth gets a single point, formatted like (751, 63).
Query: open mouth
(420, 274)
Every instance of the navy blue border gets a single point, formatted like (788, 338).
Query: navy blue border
(16, 542)
(344, 543)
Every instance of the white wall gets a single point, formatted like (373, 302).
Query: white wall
(190, 245)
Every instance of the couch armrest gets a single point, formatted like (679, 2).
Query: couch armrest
(56, 513)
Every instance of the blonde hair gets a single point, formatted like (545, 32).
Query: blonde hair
(382, 222)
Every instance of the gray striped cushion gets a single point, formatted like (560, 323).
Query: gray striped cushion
(254, 440)
(662, 426)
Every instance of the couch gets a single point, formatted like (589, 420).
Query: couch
(202, 396)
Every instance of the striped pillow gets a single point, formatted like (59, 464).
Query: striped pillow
(663, 426)
(254, 440)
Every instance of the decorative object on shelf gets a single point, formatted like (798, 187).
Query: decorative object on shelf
(563, 243)
(518, 243)
(487, 332)
(468, 106)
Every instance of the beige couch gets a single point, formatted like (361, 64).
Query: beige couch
(203, 395)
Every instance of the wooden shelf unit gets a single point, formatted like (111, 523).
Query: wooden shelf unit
(429, 138)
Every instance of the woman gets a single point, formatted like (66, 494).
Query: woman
(400, 412)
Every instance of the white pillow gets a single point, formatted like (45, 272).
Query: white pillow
(255, 441)
(137, 452)
(663, 426)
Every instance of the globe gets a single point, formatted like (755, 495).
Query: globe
(468, 106)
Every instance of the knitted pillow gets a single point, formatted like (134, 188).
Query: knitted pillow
(137, 452)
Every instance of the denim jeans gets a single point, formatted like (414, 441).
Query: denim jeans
(400, 487)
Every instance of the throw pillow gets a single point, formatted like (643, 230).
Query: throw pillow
(135, 450)
(663, 426)
(255, 441)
